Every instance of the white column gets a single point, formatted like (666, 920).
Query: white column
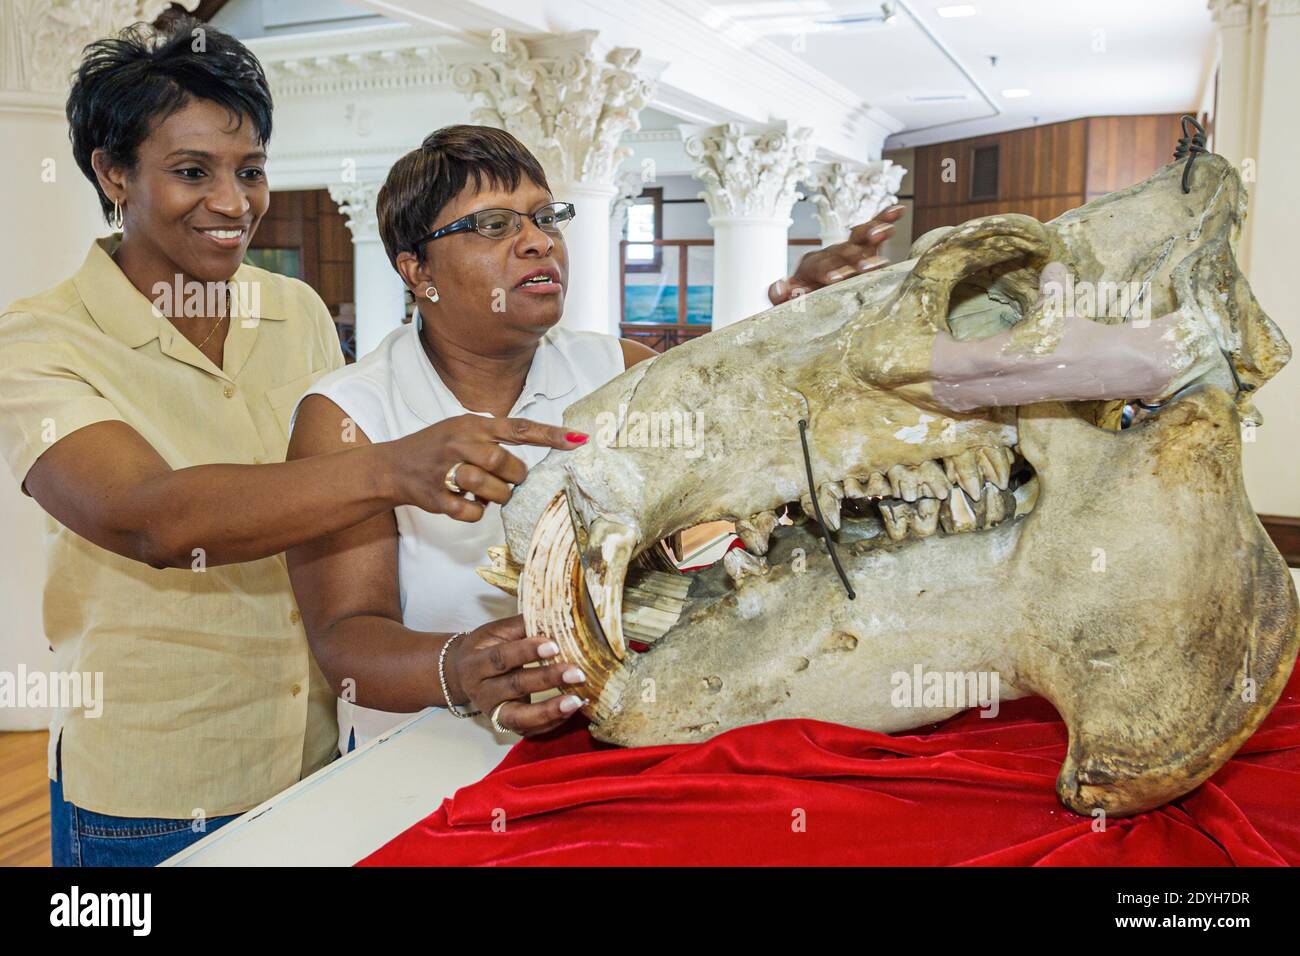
(750, 180)
(1272, 461)
(570, 107)
(628, 186)
(845, 196)
(53, 214)
(377, 289)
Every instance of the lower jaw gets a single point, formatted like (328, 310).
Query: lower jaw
(712, 594)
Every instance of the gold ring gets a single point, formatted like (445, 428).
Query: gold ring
(496, 724)
(450, 480)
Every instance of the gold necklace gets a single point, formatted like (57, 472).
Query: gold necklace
(215, 326)
(221, 318)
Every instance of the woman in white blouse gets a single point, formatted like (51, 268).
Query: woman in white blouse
(396, 616)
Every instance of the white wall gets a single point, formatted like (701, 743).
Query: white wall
(1258, 59)
(51, 226)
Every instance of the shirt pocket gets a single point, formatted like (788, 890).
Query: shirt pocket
(283, 398)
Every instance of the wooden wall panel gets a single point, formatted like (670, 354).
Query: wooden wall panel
(1123, 150)
(309, 221)
(1043, 171)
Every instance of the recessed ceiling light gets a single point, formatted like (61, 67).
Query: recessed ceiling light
(957, 10)
(1015, 94)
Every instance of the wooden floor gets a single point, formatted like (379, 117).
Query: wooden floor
(24, 800)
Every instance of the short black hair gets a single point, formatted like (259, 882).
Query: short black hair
(423, 181)
(128, 83)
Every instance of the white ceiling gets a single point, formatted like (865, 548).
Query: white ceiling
(1095, 57)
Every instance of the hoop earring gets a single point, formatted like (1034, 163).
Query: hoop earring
(115, 220)
(431, 293)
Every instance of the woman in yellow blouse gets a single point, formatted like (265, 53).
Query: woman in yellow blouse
(144, 404)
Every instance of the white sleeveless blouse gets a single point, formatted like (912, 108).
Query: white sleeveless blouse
(394, 391)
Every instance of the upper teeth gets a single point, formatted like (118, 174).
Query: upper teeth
(542, 278)
(225, 233)
(959, 493)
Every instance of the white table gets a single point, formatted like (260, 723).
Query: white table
(353, 806)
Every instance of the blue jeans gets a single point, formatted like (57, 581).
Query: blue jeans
(83, 838)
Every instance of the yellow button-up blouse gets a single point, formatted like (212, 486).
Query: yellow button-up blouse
(211, 701)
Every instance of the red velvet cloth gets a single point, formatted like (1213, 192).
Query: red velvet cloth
(970, 791)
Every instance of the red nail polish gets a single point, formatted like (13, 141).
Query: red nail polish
(578, 438)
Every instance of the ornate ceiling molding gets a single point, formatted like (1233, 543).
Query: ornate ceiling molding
(750, 174)
(569, 107)
(41, 40)
(398, 68)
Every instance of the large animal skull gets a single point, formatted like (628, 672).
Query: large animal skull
(1119, 572)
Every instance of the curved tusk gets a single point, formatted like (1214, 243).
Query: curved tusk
(555, 604)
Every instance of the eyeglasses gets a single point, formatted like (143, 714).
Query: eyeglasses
(503, 223)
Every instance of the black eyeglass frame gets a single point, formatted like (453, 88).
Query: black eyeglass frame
(470, 223)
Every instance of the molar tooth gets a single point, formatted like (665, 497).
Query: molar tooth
(934, 483)
(993, 465)
(956, 514)
(740, 564)
(926, 519)
(902, 483)
(896, 516)
(963, 469)
(877, 486)
(853, 488)
(755, 530)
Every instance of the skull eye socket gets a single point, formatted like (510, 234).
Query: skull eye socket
(991, 300)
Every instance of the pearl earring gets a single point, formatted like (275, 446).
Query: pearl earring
(431, 293)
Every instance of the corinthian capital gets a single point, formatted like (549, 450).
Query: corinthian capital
(749, 173)
(568, 106)
(846, 195)
(42, 40)
(1230, 13)
(357, 202)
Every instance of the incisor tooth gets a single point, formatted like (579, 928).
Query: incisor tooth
(896, 516)
(956, 514)
(902, 483)
(962, 469)
(755, 530)
(934, 483)
(925, 521)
